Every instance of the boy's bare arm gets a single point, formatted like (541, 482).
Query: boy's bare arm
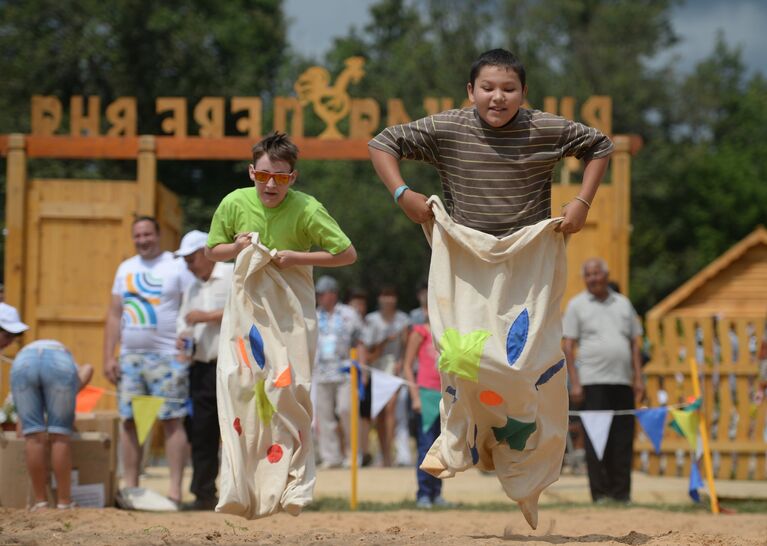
(320, 258)
(412, 203)
(576, 210)
(228, 251)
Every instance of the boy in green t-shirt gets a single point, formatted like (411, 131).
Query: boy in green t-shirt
(286, 220)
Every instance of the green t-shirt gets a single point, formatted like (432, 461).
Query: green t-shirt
(299, 223)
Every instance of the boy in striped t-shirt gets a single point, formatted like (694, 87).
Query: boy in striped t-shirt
(495, 158)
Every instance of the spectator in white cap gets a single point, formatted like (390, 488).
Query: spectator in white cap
(10, 325)
(339, 327)
(198, 327)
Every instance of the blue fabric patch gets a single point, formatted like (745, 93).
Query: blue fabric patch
(517, 337)
(548, 374)
(474, 451)
(257, 346)
(451, 391)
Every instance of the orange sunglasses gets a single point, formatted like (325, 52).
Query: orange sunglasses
(279, 178)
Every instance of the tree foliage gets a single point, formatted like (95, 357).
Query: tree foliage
(698, 183)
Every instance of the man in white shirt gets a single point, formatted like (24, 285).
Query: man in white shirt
(198, 327)
(605, 374)
(146, 296)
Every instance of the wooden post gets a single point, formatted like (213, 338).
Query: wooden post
(354, 426)
(146, 176)
(15, 208)
(703, 426)
(621, 182)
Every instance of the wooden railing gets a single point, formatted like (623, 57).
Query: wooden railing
(727, 351)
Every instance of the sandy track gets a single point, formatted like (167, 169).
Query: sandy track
(633, 526)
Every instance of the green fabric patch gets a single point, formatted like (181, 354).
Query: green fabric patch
(460, 354)
(515, 433)
(263, 405)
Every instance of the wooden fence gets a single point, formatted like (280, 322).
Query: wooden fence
(727, 352)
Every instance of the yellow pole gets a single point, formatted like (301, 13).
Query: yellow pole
(354, 426)
(704, 438)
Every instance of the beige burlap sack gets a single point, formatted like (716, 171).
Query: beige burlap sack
(266, 351)
(494, 309)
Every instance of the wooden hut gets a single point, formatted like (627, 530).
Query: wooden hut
(717, 319)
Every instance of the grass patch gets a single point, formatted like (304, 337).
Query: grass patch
(341, 504)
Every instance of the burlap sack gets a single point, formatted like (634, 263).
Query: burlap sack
(266, 351)
(494, 309)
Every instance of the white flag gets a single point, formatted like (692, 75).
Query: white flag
(597, 426)
(383, 386)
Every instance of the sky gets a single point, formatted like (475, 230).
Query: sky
(314, 24)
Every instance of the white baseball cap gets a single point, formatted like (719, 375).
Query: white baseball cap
(192, 242)
(10, 320)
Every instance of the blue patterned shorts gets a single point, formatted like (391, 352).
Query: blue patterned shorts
(155, 374)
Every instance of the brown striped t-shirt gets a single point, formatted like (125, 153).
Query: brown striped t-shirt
(494, 180)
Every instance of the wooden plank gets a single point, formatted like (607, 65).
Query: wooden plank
(74, 147)
(32, 267)
(15, 220)
(71, 313)
(168, 147)
(81, 211)
(146, 177)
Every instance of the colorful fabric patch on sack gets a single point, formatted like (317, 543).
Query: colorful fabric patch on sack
(274, 453)
(517, 337)
(460, 354)
(473, 449)
(515, 433)
(237, 426)
(548, 374)
(490, 398)
(243, 352)
(263, 404)
(257, 346)
(284, 379)
(451, 391)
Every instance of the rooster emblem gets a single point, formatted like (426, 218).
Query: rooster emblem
(331, 103)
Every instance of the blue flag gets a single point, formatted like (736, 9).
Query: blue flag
(696, 482)
(652, 421)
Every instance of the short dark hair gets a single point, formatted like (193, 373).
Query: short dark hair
(276, 146)
(497, 57)
(146, 218)
(357, 293)
(388, 290)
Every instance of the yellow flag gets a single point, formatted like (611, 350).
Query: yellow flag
(688, 423)
(145, 410)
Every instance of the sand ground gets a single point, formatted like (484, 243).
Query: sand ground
(558, 524)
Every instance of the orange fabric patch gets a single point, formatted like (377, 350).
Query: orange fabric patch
(491, 398)
(284, 379)
(243, 351)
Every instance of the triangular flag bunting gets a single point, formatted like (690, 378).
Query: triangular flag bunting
(383, 387)
(429, 407)
(696, 481)
(597, 427)
(652, 421)
(88, 398)
(687, 421)
(145, 409)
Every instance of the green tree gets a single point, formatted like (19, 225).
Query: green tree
(146, 49)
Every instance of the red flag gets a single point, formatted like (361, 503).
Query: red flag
(87, 399)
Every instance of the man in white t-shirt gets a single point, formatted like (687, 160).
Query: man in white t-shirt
(146, 296)
(602, 349)
(199, 321)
